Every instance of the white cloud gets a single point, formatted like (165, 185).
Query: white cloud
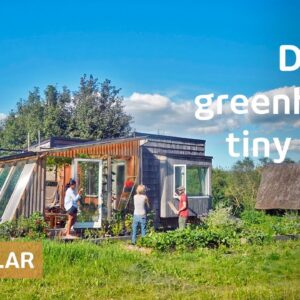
(2, 117)
(147, 102)
(281, 118)
(294, 146)
(297, 124)
(154, 112)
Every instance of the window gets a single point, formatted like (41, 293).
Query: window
(88, 177)
(196, 181)
(179, 177)
(193, 178)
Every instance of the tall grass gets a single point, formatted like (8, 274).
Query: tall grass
(87, 271)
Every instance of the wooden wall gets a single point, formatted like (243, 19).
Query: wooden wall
(156, 172)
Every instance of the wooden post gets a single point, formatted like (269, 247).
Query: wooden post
(43, 185)
(38, 187)
(109, 188)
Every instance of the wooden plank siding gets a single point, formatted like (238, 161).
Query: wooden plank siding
(124, 148)
(150, 158)
(158, 157)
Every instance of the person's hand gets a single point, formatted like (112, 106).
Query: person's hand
(80, 191)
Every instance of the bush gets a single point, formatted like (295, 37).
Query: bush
(33, 227)
(221, 228)
(187, 239)
(8, 230)
(222, 218)
(271, 225)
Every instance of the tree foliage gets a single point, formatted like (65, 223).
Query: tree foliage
(98, 110)
(94, 111)
(237, 187)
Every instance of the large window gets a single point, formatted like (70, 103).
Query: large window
(196, 181)
(193, 178)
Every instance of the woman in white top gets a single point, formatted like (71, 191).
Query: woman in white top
(139, 215)
(71, 205)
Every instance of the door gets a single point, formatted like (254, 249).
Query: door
(88, 175)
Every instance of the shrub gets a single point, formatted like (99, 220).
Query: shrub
(128, 222)
(187, 239)
(255, 221)
(221, 228)
(8, 230)
(33, 227)
(221, 218)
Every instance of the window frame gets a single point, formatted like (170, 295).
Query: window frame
(185, 166)
(174, 178)
(98, 223)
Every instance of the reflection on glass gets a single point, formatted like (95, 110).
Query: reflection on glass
(88, 179)
(10, 187)
(118, 181)
(196, 181)
(3, 175)
(179, 176)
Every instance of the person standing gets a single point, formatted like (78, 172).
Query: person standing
(139, 216)
(183, 211)
(71, 205)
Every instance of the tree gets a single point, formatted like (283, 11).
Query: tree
(242, 186)
(219, 186)
(28, 118)
(245, 165)
(57, 112)
(265, 161)
(98, 111)
(93, 112)
(289, 161)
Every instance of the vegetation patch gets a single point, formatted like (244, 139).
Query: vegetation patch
(82, 270)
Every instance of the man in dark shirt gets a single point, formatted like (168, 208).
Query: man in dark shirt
(183, 211)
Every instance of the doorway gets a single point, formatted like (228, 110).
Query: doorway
(88, 175)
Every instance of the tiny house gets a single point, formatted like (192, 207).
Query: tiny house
(108, 171)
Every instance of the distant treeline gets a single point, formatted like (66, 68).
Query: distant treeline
(238, 186)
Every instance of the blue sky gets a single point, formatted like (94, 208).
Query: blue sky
(160, 52)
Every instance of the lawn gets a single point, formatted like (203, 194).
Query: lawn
(110, 271)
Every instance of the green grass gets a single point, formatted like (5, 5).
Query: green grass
(87, 271)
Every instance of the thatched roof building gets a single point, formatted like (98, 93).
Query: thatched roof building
(279, 187)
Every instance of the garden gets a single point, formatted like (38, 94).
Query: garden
(235, 252)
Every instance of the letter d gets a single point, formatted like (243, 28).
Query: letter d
(282, 58)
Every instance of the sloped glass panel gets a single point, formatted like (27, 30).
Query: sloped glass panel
(3, 175)
(10, 187)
